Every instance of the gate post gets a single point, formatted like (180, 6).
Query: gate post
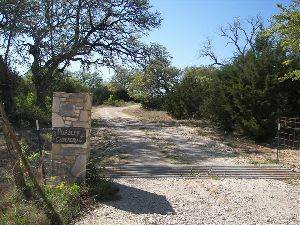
(71, 125)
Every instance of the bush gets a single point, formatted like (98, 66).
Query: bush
(153, 103)
(121, 94)
(113, 102)
(192, 96)
(65, 200)
(71, 85)
(100, 94)
(14, 209)
(99, 187)
(27, 111)
(245, 96)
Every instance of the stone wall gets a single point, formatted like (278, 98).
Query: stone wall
(71, 110)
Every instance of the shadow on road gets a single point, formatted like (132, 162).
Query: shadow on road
(138, 201)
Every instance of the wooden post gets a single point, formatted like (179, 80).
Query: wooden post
(278, 142)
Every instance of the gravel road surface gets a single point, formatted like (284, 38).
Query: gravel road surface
(176, 201)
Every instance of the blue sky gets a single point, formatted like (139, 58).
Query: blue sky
(187, 23)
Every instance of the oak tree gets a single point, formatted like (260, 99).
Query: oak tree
(52, 34)
(285, 26)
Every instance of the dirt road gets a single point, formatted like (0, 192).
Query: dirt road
(154, 163)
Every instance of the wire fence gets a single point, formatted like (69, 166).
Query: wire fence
(288, 135)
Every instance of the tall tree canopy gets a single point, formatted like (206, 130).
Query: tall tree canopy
(286, 26)
(53, 33)
(156, 79)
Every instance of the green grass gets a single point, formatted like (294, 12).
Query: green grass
(67, 200)
(2, 141)
(114, 102)
(263, 161)
(14, 209)
(215, 177)
(97, 186)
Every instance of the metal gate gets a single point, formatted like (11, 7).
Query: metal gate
(288, 135)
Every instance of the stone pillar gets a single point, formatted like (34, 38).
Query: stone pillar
(71, 125)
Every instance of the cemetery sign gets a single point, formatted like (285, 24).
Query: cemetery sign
(69, 135)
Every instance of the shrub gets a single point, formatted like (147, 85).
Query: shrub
(152, 103)
(121, 94)
(100, 94)
(113, 102)
(65, 199)
(191, 97)
(14, 209)
(99, 187)
(28, 111)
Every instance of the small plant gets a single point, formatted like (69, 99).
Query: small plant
(99, 187)
(215, 177)
(254, 162)
(114, 102)
(263, 161)
(65, 199)
(15, 210)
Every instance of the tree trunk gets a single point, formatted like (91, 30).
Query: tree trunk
(20, 181)
(42, 81)
(6, 83)
(41, 94)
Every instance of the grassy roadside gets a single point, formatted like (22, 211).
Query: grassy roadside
(68, 200)
(15, 209)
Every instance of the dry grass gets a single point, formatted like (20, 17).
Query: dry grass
(255, 153)
(2, 141)
(148, 115)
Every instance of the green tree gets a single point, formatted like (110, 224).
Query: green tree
(122, 78)
(285, 26)
(91, 79)
(155, 81)
(252, 96)
(8, 86)
(119, 83)
(191, 97)
(8, 32)
(57, 33)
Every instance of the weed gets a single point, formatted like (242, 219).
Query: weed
(263, 161)
(234, 154)
(114, 102)
(99, 187)
(176, 159)
(194, 173)
(65, 199)
(123, 156)
(215, 177)
(232, 144)
(292, 182)
(14, 209)
(2, 141)
(254, 162)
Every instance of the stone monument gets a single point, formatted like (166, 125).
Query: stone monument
(71, 125)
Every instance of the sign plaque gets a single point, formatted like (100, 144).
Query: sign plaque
(68, 135)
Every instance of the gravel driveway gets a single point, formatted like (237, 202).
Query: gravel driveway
(169, 200)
